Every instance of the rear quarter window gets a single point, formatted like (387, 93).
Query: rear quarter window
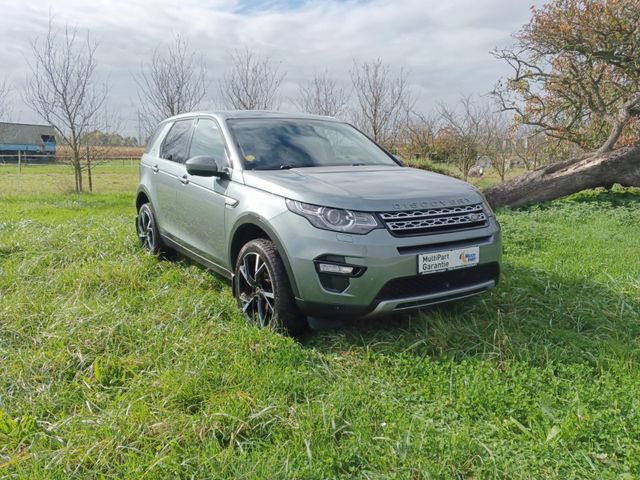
(153, 144)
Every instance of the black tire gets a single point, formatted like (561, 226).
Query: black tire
(263, 290)
(148, 233)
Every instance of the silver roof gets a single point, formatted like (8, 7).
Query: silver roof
(228, 114)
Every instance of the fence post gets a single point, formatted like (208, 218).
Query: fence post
(19, 172)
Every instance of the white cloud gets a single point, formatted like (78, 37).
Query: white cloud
(443, 44)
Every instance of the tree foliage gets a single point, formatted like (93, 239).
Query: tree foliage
(576, 72)
(108, 139)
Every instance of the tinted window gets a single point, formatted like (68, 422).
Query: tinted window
(272, 143)
(207, 140)
(175, 143)
(153, 141)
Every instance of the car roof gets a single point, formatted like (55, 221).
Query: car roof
(229, 114)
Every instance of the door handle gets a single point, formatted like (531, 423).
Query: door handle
(155, 169)
(184, 180)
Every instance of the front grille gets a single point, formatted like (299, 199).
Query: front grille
(417, 285)
(435, 220)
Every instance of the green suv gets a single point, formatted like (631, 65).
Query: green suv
(309, 217)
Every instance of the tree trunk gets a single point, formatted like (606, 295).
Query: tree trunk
(89, 175)
(76, 173)
(89, 169)
(570, 176)
(80, 188)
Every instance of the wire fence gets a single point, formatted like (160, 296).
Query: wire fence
(21, 159)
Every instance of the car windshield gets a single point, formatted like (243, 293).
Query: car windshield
(275, 143)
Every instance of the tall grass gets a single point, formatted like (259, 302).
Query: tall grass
(116, 365)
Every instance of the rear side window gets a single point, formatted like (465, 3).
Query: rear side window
(176, 142)
(154, 141)
(207, 140)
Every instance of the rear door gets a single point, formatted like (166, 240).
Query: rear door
(171, 172)
(202, 199)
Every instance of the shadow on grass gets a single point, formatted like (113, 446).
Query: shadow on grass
(531, 316)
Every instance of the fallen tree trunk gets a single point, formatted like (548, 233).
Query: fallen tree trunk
(570, 176)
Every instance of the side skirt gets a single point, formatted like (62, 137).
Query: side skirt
(197, 258)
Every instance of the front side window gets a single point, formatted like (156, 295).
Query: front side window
(207, 140)
(176, 142)
(275, 143)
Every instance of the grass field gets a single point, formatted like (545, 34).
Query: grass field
(122, 175)
(108, 177)
(116, 365)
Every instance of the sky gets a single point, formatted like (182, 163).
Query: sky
(444, 45)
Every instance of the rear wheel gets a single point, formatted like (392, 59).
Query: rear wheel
(263, 290)
(148, 232)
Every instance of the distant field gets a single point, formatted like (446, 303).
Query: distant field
(111, 152)
(116, 365)
(109, 177)
(121, 175)
(489, 178)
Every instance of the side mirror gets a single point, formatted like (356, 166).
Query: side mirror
(205, 166)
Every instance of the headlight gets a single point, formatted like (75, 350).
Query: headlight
(335, 219)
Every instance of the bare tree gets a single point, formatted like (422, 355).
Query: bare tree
(253, 82)
(533, 148)
(499, 152)
(383, 100)
(62, 90)
(495, 142)
(322, 95)
(418, 136)
(95, 153)
(466, 123)
(173, 82)
(5, 90)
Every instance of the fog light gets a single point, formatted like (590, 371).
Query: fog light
(335, 269)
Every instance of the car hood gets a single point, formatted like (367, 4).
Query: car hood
(365, 188)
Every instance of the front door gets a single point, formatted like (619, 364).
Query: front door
(201, 200)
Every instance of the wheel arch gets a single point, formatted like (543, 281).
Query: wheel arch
(249, 228)
(142, 197)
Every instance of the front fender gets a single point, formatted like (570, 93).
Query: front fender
(260, 222)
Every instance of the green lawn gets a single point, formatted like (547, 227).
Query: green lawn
(116, 365)
(108, 177)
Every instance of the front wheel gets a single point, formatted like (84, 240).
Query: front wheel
(263, 290)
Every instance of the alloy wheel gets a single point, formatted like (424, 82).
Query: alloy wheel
(255, 289)
(146, 232)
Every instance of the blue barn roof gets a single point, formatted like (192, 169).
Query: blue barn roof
(26, 137)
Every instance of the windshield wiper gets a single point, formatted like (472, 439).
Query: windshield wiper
(287, 166)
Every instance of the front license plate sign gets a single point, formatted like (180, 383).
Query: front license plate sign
(448, 260)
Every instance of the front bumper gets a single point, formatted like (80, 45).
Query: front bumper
(390, 283)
